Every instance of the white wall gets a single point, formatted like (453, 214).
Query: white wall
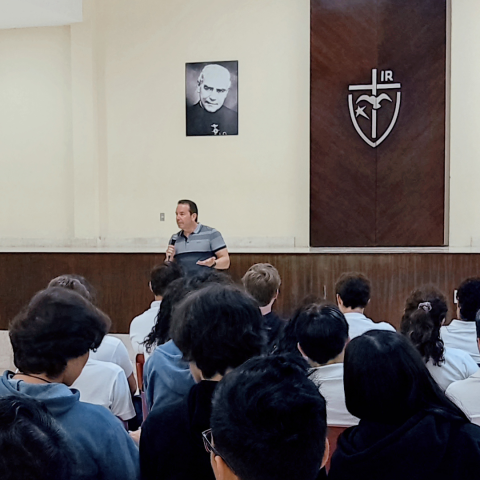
(465, 125)
(92, 125)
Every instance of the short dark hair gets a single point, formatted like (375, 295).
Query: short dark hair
(262, 282)
(161, 276)
(353, 289)
(386, 380)
(76, 283)
(175, 293)
(269, 421)
(425, 311)
(32, 446)
(468, 295)
(192, 205)
(218, 327)
(57, 325)
(322, 332)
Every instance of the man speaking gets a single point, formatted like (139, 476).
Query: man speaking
(209, 116)
(196, 246)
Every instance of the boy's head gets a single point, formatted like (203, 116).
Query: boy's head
(468, 296)
(322, 332)
(162, 276)
(262, 282)
(353, 290)
(268, 423)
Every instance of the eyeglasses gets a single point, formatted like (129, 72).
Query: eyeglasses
(207, 441)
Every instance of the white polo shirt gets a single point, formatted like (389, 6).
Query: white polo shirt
(113, 350)
(104, 383)
(466, 394)
(329, 381)
(462, 335)
(141, 326)
(358, 324)
(458, 366)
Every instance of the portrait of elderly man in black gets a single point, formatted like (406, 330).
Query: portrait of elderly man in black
(210, 115)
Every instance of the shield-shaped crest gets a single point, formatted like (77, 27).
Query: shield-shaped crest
(374, 108)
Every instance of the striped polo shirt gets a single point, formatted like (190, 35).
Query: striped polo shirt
(199, 245)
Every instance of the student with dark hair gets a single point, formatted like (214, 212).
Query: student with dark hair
(262, 281)
(111, 349)
(100, 382)
(166, 375)
(353, 295)
(408, 429)
(425, 312)
(322, 334)
(161, 277)
(216, 328)
(32, 446)
(465, 393)
(461, 333)
(268, 422)
(51, 340)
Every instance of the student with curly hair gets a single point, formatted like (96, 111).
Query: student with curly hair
(425, 312)
(217, 328)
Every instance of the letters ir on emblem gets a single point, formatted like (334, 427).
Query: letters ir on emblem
(374, 104)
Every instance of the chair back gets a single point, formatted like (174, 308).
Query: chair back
(140, 362)
(332, 435)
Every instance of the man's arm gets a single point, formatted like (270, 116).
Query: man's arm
(221, 260)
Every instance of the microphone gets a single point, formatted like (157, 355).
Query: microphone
(172, 242)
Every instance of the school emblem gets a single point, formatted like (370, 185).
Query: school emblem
(374, 108)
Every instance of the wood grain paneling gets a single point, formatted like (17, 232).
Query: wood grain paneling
(393, 194)
(121, 279)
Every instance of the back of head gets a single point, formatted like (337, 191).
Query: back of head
(425, 311)
(174, 294)
(386, 380)
(56, 326)
(269, 421)
(353, 289)
(322, 332)
(477, 323)
(218, 327)
(77, 283)
(262, 282)
(468, 295)
(162, 276)
(32, 447)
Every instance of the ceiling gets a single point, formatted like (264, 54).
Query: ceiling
(39, 13)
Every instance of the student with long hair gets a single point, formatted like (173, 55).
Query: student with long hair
(408, 429)
(425, 312)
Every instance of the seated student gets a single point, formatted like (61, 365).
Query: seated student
(465, 393)
(353, 295)
(160, 278)
(104, 383)
(217, 328)
(100, 383)
(32, 446)
(408, 428)
(51, 339)
(322, 333)
(425, 312)
(268, 422)
(262, 282)
(112, 349)
(166, 375)
(461, 333)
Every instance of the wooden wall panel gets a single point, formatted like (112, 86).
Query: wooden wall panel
(122, 279)
(392, 194)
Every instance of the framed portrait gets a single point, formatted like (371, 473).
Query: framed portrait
(211, 90)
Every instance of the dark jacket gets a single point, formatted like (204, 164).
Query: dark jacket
(432, 445)
(171, 443)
